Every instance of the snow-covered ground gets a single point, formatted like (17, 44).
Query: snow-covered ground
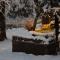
(7, 54)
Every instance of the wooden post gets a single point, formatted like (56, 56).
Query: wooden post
(56, 31)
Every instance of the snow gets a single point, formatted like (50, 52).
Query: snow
(22, 32)
(18, 32)
(44, 8)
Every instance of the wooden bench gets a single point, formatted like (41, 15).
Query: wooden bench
(31, 46)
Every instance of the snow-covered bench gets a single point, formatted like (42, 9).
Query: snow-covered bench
(25, 42)
(21, 44)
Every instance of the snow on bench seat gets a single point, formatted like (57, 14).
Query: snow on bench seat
(22, 32)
